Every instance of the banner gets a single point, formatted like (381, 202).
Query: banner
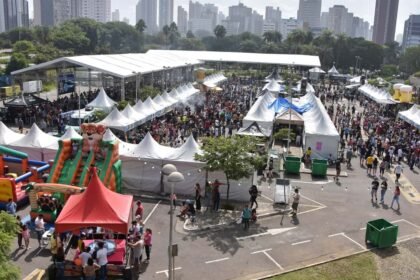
(66, 83)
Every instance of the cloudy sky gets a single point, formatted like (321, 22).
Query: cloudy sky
(361, 8)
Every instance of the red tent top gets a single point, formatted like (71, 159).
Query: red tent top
(97, 206)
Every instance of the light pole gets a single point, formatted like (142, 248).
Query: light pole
(75, 89)
(290, 110)
(167, 169)
(173, 178)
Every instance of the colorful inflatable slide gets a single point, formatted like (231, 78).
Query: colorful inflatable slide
(74, 157)
(16, 170)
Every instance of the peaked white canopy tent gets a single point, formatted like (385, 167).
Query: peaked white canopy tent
(273, 86)
(412, 115)
(260, 114)
(37, 144)
(117, 121)
(333, 71)
(133, 115)
(103, 101)
(214, 79)
(70, 134)
(7, 135)
(380, 96)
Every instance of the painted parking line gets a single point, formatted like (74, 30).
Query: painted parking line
(268, 256)
(349, 238)
(301, 242)
(218, 260)
(166, 271)
(151, 212)
(319, 203)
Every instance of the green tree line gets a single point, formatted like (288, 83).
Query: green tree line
(86, 36)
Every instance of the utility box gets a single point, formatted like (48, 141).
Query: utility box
(381, 233)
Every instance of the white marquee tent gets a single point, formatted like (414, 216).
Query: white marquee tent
(158, 109)
(144, 110)
(7, 135)
(37, 144)
(412, 115)
(378, 95)
(333, 71)
(70, 134)
(273, 86)
(260, 113)
(102, 101)
(133, 115)
(117, 121)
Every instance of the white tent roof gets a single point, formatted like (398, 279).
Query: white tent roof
(214, 79)
(71, 134)
(316, 70)
(123, 147)
(168, 98)
(116, 120)
(355, 80)
(317, 120)
(260, 113)
(161, 101)
(412, 116)
(119, 65)
(102, 101)
(333, 71)
(7, 135)
(252, 130)
(378, 95)
(273, 86)
(187, 151)
(36, 138)
(240, 57)
(309, 88)
(144, 110)
(132, 114)
(176, 94)
(148, 148)
(153, 105)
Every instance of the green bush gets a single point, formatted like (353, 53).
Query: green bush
(283, 134)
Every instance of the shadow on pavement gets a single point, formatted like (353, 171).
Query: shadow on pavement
(387, 252)
(37, 253)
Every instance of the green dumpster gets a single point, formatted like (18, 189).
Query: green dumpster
(292, 165)
(319, 167)
(381, 233)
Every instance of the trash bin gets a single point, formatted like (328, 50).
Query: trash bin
(381, 233)
(292, 165)
(319, 167)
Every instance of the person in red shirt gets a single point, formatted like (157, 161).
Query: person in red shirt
(139, 210)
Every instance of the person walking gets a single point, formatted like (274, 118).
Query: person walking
(398, 170)
(148, 243)
(382, 168)
(19, 233)
(137, 247)
(253, 192)
(295, 204)
(198, 196)
(26, 236)
(374, 191)
(216, 196)
(102, 259)
(369, 164)
(139, 210)
(11, 207)
(384, 187)
(39, 228)
(375, 165)
(396, 197)
(246, 216)
(337, 169)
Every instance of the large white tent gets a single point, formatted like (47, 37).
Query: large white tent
(333, 71)
(133, 115)
(214, 79)
(37, 144)
(102, 101)
(144, 110)
(117, 121)
(319, 131)
(163, 103)
(123, 147)
(380, 96)
(70, 134)
(273, 86)
(158, 109)
(412, 115)
(7, 135)
(260, 113)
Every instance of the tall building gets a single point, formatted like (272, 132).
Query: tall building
(257, 23)
(411, 35)
(62, 11)
(116, 15)
(386, 12)
(99, 10)
(240, 16)
(272, 16)
(182, 21)
(309, 13)
(13, 14)
(360, 28)
(166, 12)
(340, 21)
(289, 25)
(147, 11)
(203, 17)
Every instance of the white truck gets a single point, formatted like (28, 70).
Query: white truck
(32, 86)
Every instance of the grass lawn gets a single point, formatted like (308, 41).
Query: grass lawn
(361, 267)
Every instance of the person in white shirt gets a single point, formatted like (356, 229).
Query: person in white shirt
(85, 256)
(400, 154)
(102, 260)
(39, 228)
(398, 170)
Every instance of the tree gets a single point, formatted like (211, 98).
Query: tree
(17, 62)
(71, 37)
(234, 156)
(141, 26)
(191, 44)
(392, 52)
(8, 229)
(219, 31)
(190, 34)
(410, 60)
(272, 37)
(24, 47)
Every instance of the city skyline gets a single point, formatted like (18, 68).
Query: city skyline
(360, 8)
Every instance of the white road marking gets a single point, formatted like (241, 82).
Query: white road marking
(410, 223)
(166, 271)
(311, 210)
(218, 260)
(262, 251)
(273, 231)
(266, 197)
(314, 183)
(151, 212)
(273, 260)
(349, 238)
(301, 242)
(336, 234)
(320, 204)
(363, 228)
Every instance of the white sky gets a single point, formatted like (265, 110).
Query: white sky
(361, 8)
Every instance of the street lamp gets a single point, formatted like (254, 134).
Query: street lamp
(173, 178)
(167, 169)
